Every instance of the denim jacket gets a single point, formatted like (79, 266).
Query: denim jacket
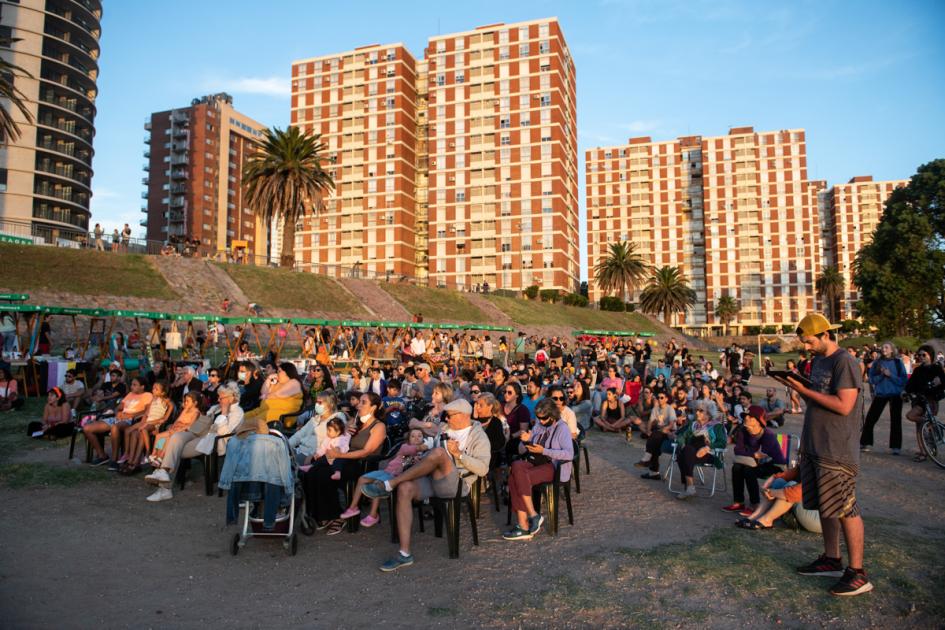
(259, 457)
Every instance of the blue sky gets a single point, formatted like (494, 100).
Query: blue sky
(865, 79)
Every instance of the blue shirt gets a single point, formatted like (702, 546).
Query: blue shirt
(530, 404)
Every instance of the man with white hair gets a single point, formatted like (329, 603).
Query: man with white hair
(185, 381)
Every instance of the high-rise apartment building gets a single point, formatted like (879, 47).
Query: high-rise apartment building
(46, 174)
(853, 212)
(460, 167)
(734, 212)
(194, 177)
(364, 104)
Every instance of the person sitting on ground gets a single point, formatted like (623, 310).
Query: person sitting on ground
(461, 455)
(138, 435)
(321, 491)
(696, 445)
(774, 408)
(281, 394)
(190, 411)
(336, 439)
(9, 396)
(73, 388)
(57, 418)
(131, 408)
(430, 425)
(407, 455)
(757, 455)
(198, 439)
(547, 446)
(612, 417)
(780, 493)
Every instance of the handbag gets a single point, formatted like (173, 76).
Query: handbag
(173, 340)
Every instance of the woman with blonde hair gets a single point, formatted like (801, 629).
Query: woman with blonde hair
(430, 425)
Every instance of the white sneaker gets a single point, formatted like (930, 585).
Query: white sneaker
(161, 494)
(158, 476)
(688, 493)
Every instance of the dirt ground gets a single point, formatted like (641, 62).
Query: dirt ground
(95, 553)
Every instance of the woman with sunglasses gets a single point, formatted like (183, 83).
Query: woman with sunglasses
(516, 414)
(928, 380)
(211, 386)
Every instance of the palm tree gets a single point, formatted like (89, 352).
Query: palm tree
(667, 292)
(621, 269)
(726, 309)
(830, 285)
(285, 178)
(8, 127)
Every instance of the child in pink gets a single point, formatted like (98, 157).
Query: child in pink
(407, 455)
(338, 438)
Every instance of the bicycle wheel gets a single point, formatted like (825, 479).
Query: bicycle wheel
(933, 438)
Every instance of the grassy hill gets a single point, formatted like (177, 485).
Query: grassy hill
(281, 288)
(534, 313)
(437, 305)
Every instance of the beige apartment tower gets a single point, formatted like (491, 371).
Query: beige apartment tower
(459, 169)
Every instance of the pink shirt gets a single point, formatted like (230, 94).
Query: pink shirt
(396, 465)
(340, 442)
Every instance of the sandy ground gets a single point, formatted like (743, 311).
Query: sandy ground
(98, 554)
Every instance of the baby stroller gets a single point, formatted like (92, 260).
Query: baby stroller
(250, 472)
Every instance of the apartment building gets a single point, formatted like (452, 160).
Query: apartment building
(734, 212)
(853, 211)
(194, 171)
(459, 168)
(46, 173)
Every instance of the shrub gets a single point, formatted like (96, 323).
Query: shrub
(753, 330)
(611, 303)
(506, 293)
(574, 299)
(769, 330)
(849, 326)
(788, 328)
(630, 307)
(909, 343)
(549, 295)
(531, 292)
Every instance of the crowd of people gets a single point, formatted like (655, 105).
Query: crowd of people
(446, 410)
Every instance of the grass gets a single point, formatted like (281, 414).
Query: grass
(85, 272)
(527, 312)
(437, 305)
(281, 288)
(13, 436)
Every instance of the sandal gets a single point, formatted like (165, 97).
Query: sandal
(756, 525)
(919, 457)
(336, 527)
(742, 522)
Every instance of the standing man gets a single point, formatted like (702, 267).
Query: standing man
(125, 238)
(830, 453)
(99, 233)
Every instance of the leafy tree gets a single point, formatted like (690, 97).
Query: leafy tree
(621, 270)
(583, 289)
(531, 292)
(549, 295)
(830, 284)
(901, 273)
(612, 303)
(9, 92)
(726, 309)
(667, 292)
(284, 178)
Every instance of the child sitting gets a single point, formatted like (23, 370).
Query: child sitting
(406, 457)
(337, 438)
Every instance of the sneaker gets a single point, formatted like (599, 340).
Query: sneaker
(399, 560)
(823, 566)
(335, 527)
(535, 523)
(852, 583)
(350, 512)
(370, 521)
(653, 476)
(735, 507)
(748, 511)
(98, 461)
(122, 459)
(320, 525)
(866, 448)
(161, 494)
(642, 464)
(517, 533)
(158, 476)
(375, 490)
(688, 493)
(113, 466)
(895, 451)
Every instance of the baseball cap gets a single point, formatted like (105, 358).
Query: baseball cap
(814, 324)
(422, 366)
(459, 405)
(756, 412)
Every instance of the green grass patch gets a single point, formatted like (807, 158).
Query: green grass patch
(29, 474)
(282, 288)
(13, 438)
(535, 313)
(437, 305)
(85, 272)
(441, 611)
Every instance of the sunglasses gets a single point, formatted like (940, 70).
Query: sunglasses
(557, 397)
(474, 391)
(541, 417)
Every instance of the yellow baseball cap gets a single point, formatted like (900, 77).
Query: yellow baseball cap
(814, 324)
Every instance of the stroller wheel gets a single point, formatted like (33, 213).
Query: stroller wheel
(292, 544)
(305, 525)
(235, 545)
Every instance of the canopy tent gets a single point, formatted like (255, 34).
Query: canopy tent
(611, 333)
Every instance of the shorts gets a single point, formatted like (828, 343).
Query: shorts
(829, 487)
(444, 488)
(378, 475)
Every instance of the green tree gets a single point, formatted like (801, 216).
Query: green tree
(726, 309)
(284, 178)
(901, 273)
(621, 270)
(830, 284)
(667, 292)
(9, 130)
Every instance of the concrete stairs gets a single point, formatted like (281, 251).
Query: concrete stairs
(376, 300)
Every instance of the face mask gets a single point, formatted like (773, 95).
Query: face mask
(319, 409)
(243, 377)
(365, 418)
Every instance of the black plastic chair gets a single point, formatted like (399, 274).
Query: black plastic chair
(551, 492)
(579, 446)
(451, 508)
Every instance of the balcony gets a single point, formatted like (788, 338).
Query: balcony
(147, 139)
(179, 161)
(146, 167)
(144, 209)
(145, 181)
(177, 202)
(147, 126)
(143, 223)
(144, 194)
(179, 147)
(147, 154)
(179, 132)
(179, 174)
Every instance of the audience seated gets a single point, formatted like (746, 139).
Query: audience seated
(696, 445)
(757, 455)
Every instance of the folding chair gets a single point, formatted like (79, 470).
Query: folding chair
(717, 465)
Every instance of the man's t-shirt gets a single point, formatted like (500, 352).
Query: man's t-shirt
(530, 403)
(827, 435)
(427, 389)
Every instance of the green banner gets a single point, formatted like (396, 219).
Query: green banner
(21, 308)
(611, 333)
(15, 240)
(14, 297)
(140, 314)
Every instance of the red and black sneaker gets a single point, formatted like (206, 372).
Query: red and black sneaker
(852, 583)
(823, 566)
(735, 507)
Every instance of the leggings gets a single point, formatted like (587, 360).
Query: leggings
(895, 420)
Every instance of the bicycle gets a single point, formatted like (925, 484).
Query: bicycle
(932, 432)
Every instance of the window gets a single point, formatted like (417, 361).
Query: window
(523, 50)
(441, 79)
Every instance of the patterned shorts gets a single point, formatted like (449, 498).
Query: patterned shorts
(829, 487)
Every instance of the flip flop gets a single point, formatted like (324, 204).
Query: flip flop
(742, 522)
(756, 525)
